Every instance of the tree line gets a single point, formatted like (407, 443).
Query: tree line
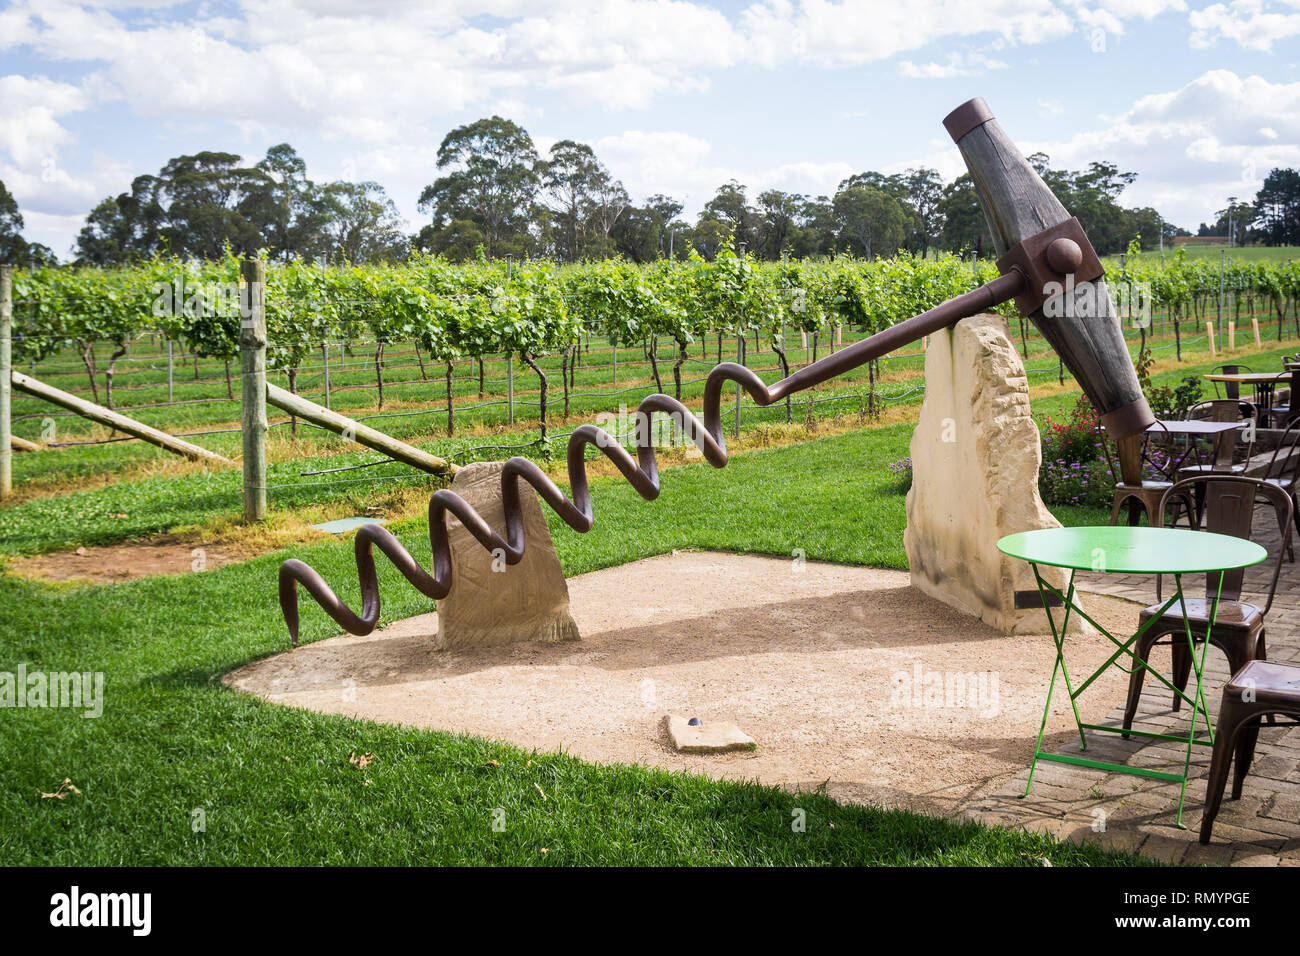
(1272, 218)
(495, 195)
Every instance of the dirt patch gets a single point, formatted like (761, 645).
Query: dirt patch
(112, 563)
(831, 668)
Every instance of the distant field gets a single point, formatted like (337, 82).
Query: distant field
(1235, 253)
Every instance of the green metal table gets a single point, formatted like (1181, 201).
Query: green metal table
(1127, 550)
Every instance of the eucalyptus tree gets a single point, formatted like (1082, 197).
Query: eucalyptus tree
(490, 177)
(569, 177)
(870, 220)
(13, 247)
(364, 224)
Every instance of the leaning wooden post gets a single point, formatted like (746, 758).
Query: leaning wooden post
(6, 388)
(115, 420)
(1209, 337)
(252, 364)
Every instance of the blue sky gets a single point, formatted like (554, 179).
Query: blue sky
(1199, 99)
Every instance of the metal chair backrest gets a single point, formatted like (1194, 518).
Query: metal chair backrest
(1230, 509)
(1226, 410)
(1215, 410)
(1230, 389)
(1156, 440)
(1286, 468)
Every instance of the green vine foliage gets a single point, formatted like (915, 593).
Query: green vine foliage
(532, 308)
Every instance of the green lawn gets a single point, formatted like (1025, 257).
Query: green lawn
(275, 785)
(1234, 254)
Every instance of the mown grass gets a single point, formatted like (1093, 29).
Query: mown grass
(275, 785)
(1212, 253)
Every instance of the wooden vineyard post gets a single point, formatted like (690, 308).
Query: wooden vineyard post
(170, 370)
(1209, 337)
(356, 431)
(325, 359)
(6, 387)
(1232, 335)
(510, 388)
(1254, 327)
(252, 364)
(115, 420)
(740, 360)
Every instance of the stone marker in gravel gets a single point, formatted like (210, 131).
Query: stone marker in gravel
(495, 603)
(709, 737)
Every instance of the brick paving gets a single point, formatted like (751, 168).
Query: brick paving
(1138, 813)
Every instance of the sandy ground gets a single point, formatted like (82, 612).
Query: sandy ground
(109, 564)
(834, 670)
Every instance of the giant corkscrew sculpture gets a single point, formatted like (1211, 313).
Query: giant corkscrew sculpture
(1047, 264)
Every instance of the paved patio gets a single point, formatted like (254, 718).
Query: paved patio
(1137, 813)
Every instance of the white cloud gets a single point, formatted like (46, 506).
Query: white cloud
(1215, 137)
(30, 109)
(1252, 24)
(972, 63)
(853, 32)
(1109, 15)
(373, 71)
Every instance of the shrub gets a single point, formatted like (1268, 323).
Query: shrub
(1062, 482)
(1172, 403)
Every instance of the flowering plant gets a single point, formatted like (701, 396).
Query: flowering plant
(1074, 471)
(902, 469)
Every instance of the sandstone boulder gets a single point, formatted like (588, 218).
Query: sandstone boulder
(491, 602)
(975, 458)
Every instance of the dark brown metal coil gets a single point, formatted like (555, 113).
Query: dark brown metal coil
(642, 472)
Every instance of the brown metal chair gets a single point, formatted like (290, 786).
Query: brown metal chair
(1142, 496)
(1260, 688)
(1230, 389)
(1229, 456)
(1284, 467)
(1279, 413)
(1239, 626)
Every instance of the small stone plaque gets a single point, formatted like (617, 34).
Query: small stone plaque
(709, 737)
